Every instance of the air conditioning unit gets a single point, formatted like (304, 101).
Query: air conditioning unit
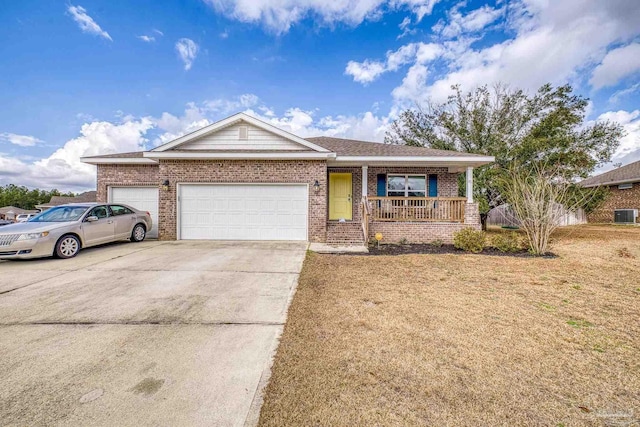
(625, 216)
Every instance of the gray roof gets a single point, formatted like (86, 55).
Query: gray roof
(133, 154)
(352, 147)
(14, 210)
(623, 174)
(86, 197)
(340, 146)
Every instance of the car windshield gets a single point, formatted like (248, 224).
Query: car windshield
(61, 214)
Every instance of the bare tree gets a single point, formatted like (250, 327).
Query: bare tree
(539, 198)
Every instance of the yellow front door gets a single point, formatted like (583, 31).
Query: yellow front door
(340, 196)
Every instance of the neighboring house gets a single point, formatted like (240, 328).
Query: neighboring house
(244, 179)
(623, 201)
(10, 212)
(86, 197)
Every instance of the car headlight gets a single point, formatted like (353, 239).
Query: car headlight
(31, 236)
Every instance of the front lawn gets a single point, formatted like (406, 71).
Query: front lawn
(465, 340)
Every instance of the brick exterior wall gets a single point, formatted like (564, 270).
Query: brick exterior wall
(244, 171)
(617, 199)
(472, 214)
(124, 175)
(416, 232)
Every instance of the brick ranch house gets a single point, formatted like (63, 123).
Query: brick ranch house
(244, 179)
(623, 201)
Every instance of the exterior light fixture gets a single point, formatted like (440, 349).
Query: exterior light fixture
(165, 185)
(316, 186)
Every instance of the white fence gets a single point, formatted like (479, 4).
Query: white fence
(503, 216)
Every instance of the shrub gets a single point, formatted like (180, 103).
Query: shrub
(469, 239)
(437, 243)
(507, 242)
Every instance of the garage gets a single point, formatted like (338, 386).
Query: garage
(141, 198)
(243, 211)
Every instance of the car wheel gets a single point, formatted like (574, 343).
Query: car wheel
(67, 247)
(139, 233)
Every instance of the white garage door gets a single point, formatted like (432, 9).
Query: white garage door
(141, 198)
(243, 212)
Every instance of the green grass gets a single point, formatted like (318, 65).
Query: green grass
(579, 323)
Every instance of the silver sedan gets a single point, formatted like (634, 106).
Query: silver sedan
(63, 230)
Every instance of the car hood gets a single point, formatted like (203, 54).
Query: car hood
(33, 227)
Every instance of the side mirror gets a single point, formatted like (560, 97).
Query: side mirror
(92, 218)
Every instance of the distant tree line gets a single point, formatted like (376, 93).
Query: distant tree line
(24, 198)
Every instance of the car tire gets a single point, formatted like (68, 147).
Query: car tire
(67, 246)
(139, 233)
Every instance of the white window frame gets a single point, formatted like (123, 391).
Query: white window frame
(406, 183)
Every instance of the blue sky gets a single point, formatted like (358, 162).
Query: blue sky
(95, 77)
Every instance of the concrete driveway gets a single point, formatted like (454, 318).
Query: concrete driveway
(148, 334)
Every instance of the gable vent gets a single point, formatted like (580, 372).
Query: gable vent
(243, 133)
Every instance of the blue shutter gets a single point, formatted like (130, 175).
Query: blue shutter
(433, 185)
(382, 185)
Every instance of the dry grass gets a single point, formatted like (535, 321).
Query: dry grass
(471, 340)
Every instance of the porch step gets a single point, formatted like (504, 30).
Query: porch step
(344, 234)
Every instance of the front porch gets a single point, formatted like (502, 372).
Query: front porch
(417, 204)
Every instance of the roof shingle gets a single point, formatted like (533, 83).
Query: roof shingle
(628, 173)
(340, 146)
(352, 147)
(86, 197)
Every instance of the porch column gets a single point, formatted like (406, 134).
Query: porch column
(365, 181)
(469, 184)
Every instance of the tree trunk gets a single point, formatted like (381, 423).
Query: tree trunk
(483, 220)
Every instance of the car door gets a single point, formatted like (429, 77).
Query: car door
(124, 219)
(100, 231)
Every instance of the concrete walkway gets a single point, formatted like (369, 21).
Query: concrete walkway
(156, 333)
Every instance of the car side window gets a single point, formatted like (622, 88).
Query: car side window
(99, 211)
(117, 210)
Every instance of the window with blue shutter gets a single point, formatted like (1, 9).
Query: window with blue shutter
(382, 185)
(433, 185)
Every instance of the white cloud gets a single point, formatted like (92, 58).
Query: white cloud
(405, 23)
(420, 8)
(622, 93)
(405, 27)
(630, 143)
(63, 169)
(21, 140)
(546, 42)
(474, 21)
(173, 127)
(280, 15)
(367, 71)
(158, 32)
(616, 65)
(366, 126)
(148, 39)
(227, 106)
(187, 50)
(86, 23)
